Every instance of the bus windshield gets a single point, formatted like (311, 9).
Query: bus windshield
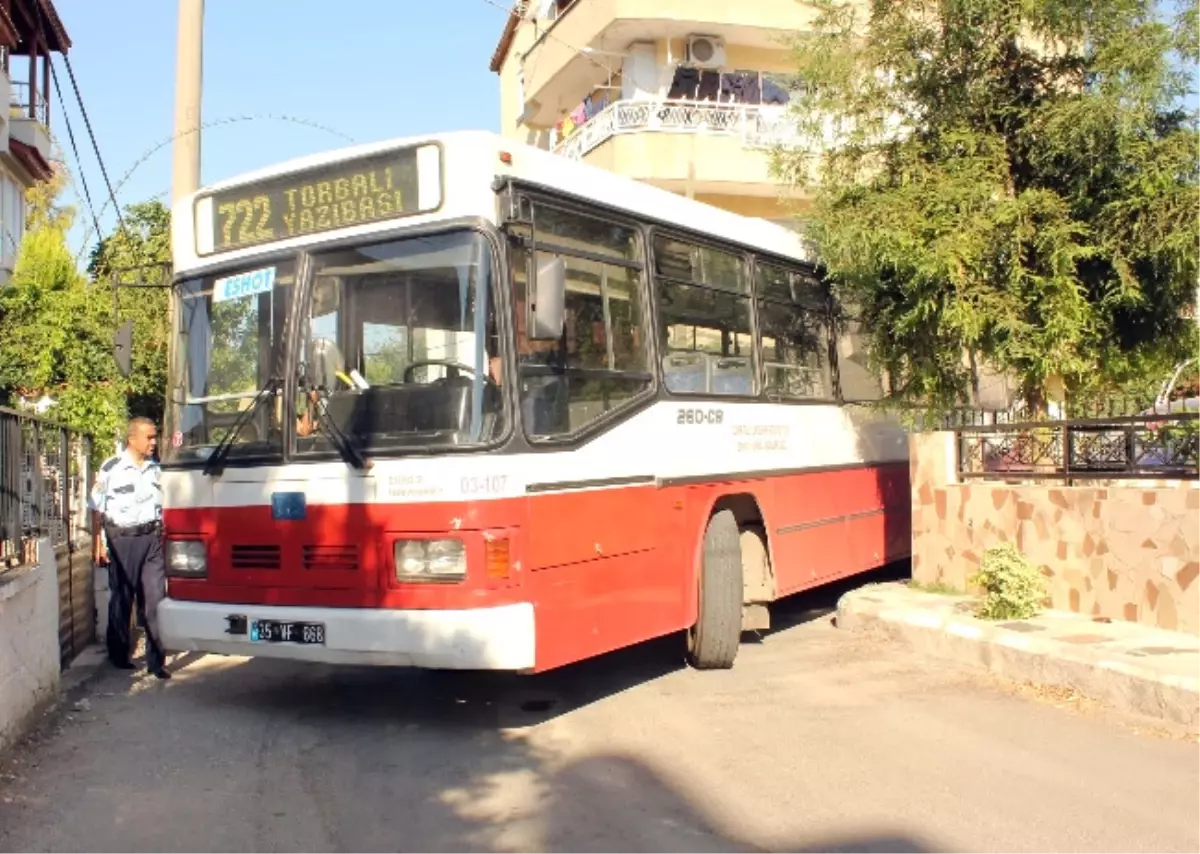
(400, 347)
(229, 347)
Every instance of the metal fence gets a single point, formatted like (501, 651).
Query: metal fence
(45, 473)
(1156, 447)
(1114, 407)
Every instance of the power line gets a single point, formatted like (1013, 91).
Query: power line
(95, 146)
(87, 194)
(213, 123)
(87, 121)
(208, 125)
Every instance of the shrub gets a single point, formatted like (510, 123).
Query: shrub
(1013, 587)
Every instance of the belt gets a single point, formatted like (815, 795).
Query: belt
(132, 530)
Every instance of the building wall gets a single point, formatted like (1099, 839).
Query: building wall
(12, 221)
(511, 101)
(719, 169)
(1123, 551)
(29, 647)
(767, 207)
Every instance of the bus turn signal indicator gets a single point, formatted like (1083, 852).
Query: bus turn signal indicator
(496, 557)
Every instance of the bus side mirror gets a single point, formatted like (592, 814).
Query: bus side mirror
(123, 348)
(548, 307)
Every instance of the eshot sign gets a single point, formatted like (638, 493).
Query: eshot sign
(244, 285)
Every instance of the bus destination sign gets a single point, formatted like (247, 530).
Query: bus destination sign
(312, 201)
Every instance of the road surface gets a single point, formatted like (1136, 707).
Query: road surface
(817, 740)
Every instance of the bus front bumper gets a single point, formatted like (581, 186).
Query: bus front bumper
(497, 638)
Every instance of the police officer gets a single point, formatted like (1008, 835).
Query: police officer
(126, 504)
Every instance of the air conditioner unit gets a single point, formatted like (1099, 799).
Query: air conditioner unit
(705, 51)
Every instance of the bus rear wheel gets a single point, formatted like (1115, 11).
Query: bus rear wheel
(714, 640)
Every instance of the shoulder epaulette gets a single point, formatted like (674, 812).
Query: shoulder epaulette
(110, 464)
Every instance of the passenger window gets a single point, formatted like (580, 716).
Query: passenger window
(793, 321)
(704, 319)
(569, 231)
(601, 361)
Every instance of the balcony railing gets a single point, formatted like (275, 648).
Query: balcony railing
(19, 105)
(758, 127)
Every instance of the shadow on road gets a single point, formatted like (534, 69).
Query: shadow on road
(485, 698)
(397, 759)
(821, 602)
(274, 755)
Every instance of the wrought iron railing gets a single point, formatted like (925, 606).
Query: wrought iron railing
(45, 474)
(758, 126)
(1141, 447)
(20, 105)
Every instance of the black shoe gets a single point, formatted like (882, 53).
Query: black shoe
(162, 673)
(123, 665)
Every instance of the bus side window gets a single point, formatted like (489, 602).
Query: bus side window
(601, 361)
(793, 320)
(704, 309)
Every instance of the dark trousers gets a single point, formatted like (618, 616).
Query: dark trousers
(140, 576)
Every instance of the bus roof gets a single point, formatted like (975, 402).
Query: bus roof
(574, 177)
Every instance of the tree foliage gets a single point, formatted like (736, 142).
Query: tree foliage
(55, 331)
(56, 326)
(1008, 181)
(137, 257)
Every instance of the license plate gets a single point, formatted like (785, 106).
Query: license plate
(276, 631)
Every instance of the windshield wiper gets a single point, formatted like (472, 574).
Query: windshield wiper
(344, 445)
(216, 461)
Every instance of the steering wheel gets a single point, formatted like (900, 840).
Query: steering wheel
(448, 363)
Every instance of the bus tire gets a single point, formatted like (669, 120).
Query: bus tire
(714, 640)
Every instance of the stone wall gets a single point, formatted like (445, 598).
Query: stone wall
(29, 651)
(1121, 550)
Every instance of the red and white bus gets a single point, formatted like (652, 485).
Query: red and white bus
(455, 402)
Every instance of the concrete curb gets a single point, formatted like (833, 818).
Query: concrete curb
(1121, 682)
(83, 670)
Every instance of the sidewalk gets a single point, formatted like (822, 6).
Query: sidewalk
(1128, 666)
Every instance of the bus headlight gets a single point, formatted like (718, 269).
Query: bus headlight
(433, 560)
(187, 559)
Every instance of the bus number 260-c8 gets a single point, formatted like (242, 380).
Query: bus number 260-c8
(700, 416)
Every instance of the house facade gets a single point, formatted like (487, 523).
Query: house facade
(30, 31)
(688, 95)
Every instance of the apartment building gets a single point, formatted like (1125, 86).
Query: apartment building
(688, 95)
(30, 30)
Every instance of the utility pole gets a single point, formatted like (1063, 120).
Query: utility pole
(189, 64)
(185, 148)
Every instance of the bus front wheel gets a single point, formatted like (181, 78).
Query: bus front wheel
(713, 641)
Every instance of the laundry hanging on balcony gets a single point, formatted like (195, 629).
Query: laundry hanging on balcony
(741, 87)
(726, 87)
(773, 92)
(684, 84)
(710, 86)
(592, 106)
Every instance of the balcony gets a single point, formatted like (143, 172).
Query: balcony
(29, 119)
(579, 49)
(757, 127)
(711, 147)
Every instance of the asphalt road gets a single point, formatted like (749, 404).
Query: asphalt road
(817, 740)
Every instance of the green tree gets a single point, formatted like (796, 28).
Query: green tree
(138, 257)
(56, 330)
(1009, 182)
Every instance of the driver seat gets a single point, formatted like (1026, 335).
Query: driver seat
(324, 364)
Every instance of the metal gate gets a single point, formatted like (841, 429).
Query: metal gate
(45, 472)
